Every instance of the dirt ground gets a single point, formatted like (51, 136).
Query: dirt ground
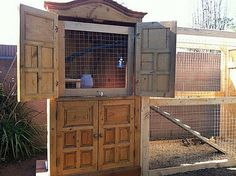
(23, 168)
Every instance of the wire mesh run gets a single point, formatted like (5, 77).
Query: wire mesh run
(198, 71)
(104, 56)
(171, 146)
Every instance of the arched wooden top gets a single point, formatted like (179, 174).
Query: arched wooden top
(95, 9)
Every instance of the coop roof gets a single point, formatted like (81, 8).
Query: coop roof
(110, 3)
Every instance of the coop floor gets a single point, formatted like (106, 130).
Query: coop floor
(171, 153)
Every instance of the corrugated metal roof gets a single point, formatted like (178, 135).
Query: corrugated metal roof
(7, 51)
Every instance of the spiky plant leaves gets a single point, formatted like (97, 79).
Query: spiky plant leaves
(17, 131)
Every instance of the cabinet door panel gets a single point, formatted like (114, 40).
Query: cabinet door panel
(116, 129)
(76, 146)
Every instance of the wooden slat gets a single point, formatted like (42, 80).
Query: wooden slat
(206, 32)
(144, 153)
(192, 167)
(187, 128)
(191, 101)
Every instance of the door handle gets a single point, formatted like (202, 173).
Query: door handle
(96, 136)
(100, 135)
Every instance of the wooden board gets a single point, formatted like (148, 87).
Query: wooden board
(155, 59)
(37, 64)
(116, 130)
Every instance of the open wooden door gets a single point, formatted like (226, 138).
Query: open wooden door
(155, 59)
(36, 65)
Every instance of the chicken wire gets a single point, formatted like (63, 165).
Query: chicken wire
(198, 71)
(172, 146)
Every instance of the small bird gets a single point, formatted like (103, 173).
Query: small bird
(186, 142)
(197, 141)
(212, 139)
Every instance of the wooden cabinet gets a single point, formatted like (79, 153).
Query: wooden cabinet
(94, 135)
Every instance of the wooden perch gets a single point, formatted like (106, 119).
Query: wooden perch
(187, 128)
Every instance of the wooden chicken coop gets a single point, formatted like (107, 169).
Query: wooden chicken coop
(94, 60)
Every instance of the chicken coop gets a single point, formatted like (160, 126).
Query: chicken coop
(109, 78)
(93, 60)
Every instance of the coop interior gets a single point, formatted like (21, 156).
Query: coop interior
(199, 74)
(95, 60)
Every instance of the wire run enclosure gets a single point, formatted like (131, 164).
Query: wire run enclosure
(204, 103)
(98, 59)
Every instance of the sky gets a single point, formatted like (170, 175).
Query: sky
(158, 10)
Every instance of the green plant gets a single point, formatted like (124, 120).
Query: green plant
(17, 131)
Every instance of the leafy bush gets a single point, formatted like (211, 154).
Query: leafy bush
(17, 131)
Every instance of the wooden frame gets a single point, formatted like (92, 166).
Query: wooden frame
(68, 25)
(195, 39)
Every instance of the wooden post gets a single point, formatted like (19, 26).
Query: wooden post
(51, 136)
(145, 114)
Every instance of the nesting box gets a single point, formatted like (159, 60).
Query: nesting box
(93, 60)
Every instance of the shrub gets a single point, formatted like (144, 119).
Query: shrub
(17, 131)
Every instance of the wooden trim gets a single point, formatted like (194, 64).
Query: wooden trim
(93, 92)
(144, 152)
(190, 101)
(206, 32)
(61, 58)
(192, 167)
(137, 131)
(51, 136)
(109, 3)
(79, 26)
(84, 98)
(199, 94)
(131, 60)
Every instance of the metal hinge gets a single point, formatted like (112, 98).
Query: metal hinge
(57, 161)
(57, 83)
(56, 112)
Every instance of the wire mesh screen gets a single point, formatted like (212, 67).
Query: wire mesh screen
(202, 118)
(198, 71)
(101, 55)
(173, 146)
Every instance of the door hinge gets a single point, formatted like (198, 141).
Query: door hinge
(134, 153)
(56, 111)
(57, 161)
(57, 83)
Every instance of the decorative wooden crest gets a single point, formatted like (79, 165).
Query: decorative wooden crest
(108, 10)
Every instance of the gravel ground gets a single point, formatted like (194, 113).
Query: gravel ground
(170, 153)
(210, 172)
